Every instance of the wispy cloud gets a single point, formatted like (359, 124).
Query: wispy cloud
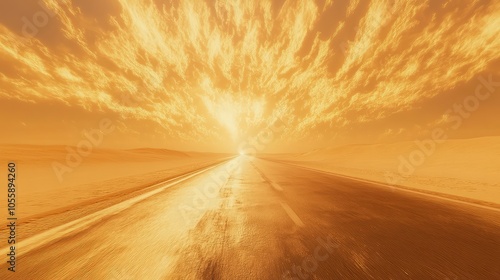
(196, 66)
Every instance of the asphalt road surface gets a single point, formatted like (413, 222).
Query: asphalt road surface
(265, 220)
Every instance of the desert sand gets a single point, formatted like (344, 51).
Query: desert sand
(57, 177)
(466, 169)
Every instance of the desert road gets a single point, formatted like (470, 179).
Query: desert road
(257, 219)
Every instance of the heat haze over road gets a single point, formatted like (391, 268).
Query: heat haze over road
(258, 219)
(367, 132)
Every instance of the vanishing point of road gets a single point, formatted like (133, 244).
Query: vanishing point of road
(258, 219)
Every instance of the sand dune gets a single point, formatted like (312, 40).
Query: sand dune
(467, 168)
(35, 153)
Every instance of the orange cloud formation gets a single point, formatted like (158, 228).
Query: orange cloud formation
(198, 67)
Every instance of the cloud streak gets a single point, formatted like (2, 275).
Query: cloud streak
(205, 66)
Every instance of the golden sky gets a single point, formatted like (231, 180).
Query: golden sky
(209, 75)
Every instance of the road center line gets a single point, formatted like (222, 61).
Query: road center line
(273, 184)
(276, 186)
(292, 214)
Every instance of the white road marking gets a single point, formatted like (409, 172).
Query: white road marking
(292, 214)
(80, 224)
(276, 186)
(273, 184)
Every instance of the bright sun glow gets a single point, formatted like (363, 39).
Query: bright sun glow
(180, 74)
